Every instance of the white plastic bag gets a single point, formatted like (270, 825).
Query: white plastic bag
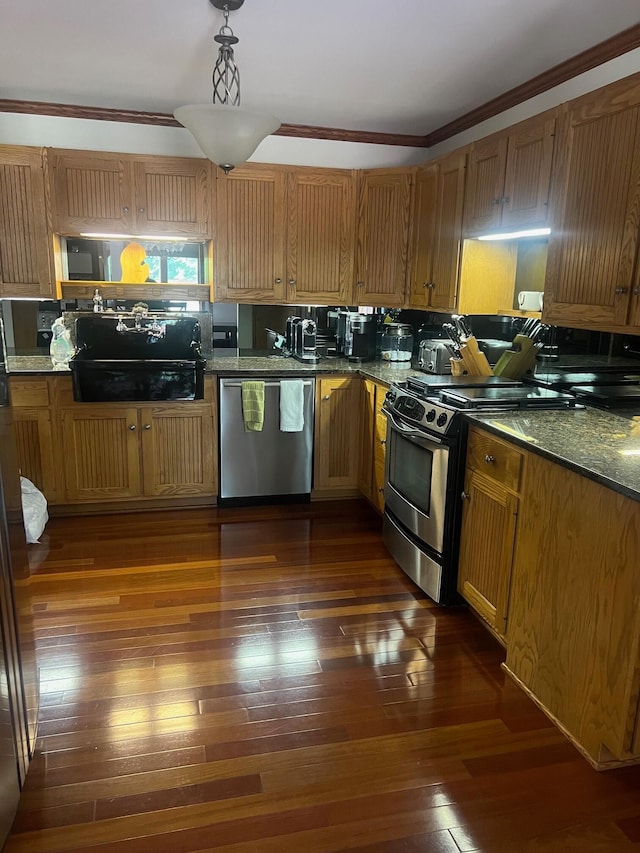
(34, 510)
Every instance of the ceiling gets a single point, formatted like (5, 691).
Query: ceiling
(402, 67)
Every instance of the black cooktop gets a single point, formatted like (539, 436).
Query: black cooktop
(609, 396)
(427, 383)
(521, 397)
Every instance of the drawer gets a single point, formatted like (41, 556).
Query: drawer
(29, 393)
(495, 459)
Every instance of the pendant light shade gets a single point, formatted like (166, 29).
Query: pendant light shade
(227, 134)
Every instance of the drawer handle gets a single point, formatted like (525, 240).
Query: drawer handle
(489, 459)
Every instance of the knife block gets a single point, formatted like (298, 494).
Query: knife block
(514, 363)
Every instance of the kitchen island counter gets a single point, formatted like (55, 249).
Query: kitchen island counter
(597, 444)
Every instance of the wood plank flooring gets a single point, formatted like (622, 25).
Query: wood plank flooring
(268, 680)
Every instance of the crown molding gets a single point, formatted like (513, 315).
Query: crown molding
(300, 131)
(613, 47)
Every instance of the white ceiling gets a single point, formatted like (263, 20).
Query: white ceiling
(407, 66)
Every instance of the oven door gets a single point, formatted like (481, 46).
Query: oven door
(416, 474)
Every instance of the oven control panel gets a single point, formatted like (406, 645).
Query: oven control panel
(430, 415)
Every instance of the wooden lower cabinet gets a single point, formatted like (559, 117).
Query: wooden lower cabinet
(488, 532)
(373, 438)
(116, 452)
(31, 399)
(336, 433)
(573, 636)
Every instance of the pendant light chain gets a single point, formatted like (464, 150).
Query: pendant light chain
(226, 76)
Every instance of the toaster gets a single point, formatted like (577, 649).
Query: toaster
(434, 356)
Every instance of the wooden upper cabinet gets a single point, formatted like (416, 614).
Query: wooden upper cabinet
(320, 236)
(119, 193)
(91, 192)
(172, 196)
(591, 278)
(424, 226)
(508, 178)
(25, 258)
(438, 199)
(249, 243)
(384, 208)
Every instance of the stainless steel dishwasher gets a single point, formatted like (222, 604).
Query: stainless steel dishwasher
(258, 466)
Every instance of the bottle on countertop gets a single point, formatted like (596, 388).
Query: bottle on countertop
(60, 348)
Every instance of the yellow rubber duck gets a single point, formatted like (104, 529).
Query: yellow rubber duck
(132, 263)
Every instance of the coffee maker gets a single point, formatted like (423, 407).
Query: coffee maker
(301, 340)
(361, 337)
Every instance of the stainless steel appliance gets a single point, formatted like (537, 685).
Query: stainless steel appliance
(18, 674)
(300, 339)
(266, 466)
(360, 337)
(135, 358)
(434, 356)
(426, 444)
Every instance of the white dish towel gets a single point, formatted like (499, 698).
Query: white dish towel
(291, 405)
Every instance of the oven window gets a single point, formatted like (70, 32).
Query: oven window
(410, 472)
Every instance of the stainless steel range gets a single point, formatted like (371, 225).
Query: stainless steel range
(426, 446)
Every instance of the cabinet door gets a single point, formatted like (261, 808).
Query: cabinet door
(320, 237)
(35, 449)
(379, 451)
(447, 235)
(596, 203)
(101, 454)
(177, 450)
(486, 548)
(485, 184)
(249, 249)
(528, 173)
(336, 434)
(92, 192)
(367, 426)
(383, 237)
(172, 196)
(25, 265)
(424, 224)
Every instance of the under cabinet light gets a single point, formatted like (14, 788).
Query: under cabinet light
(144, 237)
(514, 235)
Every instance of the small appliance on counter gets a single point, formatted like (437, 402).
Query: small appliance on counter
(301, 340)
(397, 344)
(434, 356)
(361, 337)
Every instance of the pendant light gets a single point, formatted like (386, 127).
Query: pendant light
(227, 134)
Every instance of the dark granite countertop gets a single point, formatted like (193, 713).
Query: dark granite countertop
(248, 365)
(598, 444)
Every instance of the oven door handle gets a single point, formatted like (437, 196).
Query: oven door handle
(411, 433)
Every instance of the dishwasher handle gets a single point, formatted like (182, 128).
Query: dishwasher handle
(236, 384)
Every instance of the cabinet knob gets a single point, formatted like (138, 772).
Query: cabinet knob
(489, 459)
(141, 210)
(495, 201)
(383, 441)
(505, 199)
(636, 291)
(292, 282)
(359, 283)
(277, 281)
(381, 489)
(326, 396)
(426, 284)
(132, 427)
(432, 284)
(465, 497)
(147, 426)
(125, 210)
(620, 290)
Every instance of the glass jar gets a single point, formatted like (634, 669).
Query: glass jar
(396, 346)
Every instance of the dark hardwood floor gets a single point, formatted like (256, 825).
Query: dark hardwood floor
(268, 680)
